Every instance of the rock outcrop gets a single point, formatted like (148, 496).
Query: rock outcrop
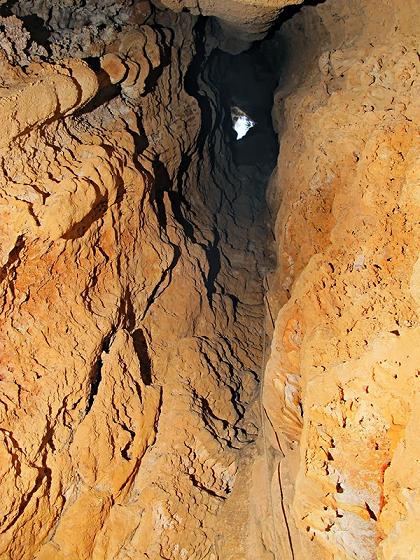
(238, 22)
(146, 281)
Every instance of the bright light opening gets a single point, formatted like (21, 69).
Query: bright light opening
(241, 122)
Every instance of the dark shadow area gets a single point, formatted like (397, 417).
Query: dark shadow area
(6, 8)
(191, 83)
(162, 184)
(39, 31)
(287, 13)
(213, 258)
(96, 375)
(248, 81)
(140, 346)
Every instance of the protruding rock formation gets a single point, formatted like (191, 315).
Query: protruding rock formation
(238, 22)
(199, 361)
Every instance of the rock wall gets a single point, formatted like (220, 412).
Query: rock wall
(131, 298)
(133, 248)
(341, 385)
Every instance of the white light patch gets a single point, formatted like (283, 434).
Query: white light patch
(241, 122)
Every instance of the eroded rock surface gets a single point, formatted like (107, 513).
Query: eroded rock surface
(131, 345)
(341, 386)
(133, 249)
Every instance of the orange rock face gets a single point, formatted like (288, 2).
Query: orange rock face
(134, 331)
(130, 346)
(342, 379)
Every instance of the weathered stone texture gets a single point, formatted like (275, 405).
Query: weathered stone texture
(132, 262)
(128, 358)
(342, 378)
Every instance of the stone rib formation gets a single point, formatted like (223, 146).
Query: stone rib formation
(205, 355)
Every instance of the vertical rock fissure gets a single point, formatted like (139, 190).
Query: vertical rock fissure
(96, 376)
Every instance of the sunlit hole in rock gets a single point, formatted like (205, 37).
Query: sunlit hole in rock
(242, 123)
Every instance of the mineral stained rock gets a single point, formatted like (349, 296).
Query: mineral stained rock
(136, 421)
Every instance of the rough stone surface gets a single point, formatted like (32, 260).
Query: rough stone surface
(133, 275)
(239, 22)
(342, 381)
(130, 344)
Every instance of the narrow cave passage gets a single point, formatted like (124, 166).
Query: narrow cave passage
(237, 173)
(247, 81)
(148, 200)
(204, 332)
